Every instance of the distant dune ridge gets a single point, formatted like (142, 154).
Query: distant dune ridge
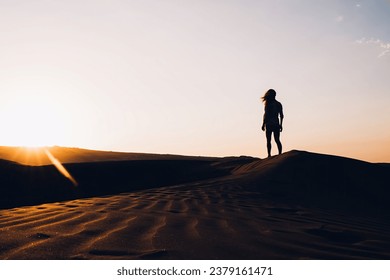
(37, 156)
(298, 205)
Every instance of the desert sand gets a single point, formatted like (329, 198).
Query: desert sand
(298, 205)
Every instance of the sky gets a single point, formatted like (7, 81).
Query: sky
(186, 77)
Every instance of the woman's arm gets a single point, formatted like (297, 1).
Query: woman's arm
(263, 125)
(281, 116)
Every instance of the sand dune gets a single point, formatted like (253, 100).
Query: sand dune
(324, 181)
(243, 209)
(28, 185)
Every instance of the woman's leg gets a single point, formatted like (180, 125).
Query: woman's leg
(277, 140)
(268, 134)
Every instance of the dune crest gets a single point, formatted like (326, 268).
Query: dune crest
(38, 156)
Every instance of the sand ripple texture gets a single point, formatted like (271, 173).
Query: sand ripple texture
(208, 220)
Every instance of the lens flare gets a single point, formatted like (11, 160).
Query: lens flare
(60, 167)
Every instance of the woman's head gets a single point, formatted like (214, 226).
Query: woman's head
(269, 95)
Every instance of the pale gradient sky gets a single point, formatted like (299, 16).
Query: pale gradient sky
(186, 77)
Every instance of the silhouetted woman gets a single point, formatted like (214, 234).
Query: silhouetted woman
(272, 111)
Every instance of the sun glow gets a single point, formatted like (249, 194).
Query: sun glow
(33, 121)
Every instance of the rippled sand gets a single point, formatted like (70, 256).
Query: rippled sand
(212, 220)
(241, 216)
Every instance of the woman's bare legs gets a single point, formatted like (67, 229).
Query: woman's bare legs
(276, 133)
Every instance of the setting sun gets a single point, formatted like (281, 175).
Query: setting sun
(33, 121)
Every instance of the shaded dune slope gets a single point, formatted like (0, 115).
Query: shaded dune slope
(319, 180)
(28, 185)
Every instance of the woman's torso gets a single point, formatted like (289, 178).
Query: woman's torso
(272, 111)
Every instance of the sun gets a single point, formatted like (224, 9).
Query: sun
(32, 121)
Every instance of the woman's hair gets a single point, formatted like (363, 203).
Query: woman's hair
(269, 95)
